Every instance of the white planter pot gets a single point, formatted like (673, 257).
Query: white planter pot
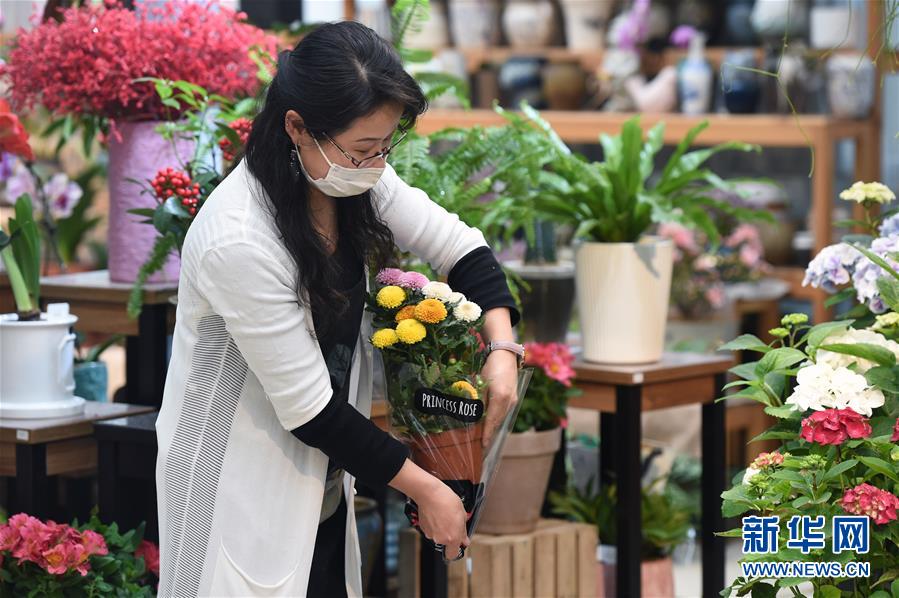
(623, 291)
(474, 24)
(37, 368)
(528, 23)
(585, 23)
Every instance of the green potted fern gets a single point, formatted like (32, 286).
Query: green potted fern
(623, 273)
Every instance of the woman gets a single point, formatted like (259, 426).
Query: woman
(264, 424)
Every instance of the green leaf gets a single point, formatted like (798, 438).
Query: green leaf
(884, 378)
(894, 589)
(889, 291)
(880, 466)
(745, 342)
(764, 590)
(877, 354)
(816, 334)
(828, 592)
(747, 371)
(782, 412)
(839, 468)
(779, 359)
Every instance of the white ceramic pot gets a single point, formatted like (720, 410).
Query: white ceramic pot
(851, 82)
(623, 291)
(474, 24)
(37, 368)
(434, 34)
(528, 23)
(585, 23)
(832, 26)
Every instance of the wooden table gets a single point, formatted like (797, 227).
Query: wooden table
(31, 450)
(101, 306)
(621, 394)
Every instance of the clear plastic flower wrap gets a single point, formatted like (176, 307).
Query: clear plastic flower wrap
(432, 351)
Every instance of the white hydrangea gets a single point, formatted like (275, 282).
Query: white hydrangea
(874, 192)
(851, 337)
(820, 386)
(437, 290)
(751, 472)
(467, 311)
(455, 297)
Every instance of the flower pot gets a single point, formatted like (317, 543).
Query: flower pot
(850, 85)
(370, 528)
(564, 85)
(519, 487)
(36, 363)
(450, 455)
(474, 24)
(434, 34)
(546, 308)
(521, 79)
(623, 291)
(92, 381)
(528, 23)
(585, 23)
(137, 156)
(656, 576)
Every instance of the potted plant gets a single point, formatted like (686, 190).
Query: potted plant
(665, 525)
(515, 499)
(833, 388)
(91, 374)
(429, 339)
(623, 273)
(44, 558)
(208, 44)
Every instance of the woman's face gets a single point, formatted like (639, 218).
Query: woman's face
(366, 136)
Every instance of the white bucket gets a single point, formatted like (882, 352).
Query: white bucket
(37, 368)
(623, 291)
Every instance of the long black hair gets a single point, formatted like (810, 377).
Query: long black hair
(337, 73)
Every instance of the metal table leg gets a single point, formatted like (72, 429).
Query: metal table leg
(146, 361)
(713, 481)
(31, 479)
(627, 467)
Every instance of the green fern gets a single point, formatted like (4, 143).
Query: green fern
(163, 246)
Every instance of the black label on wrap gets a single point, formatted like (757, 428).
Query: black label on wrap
(434, 402)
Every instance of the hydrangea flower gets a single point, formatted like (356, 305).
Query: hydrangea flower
(849, 337)
(890, 226)
(873, 192)
(867, 273)
(834, 426)
(820, 387)
(832, 267)
(869, 500)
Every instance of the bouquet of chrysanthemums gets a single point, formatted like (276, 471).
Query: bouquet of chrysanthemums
(430, 342)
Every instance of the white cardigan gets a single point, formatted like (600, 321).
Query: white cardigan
(239, 495)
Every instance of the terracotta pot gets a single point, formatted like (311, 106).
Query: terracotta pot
(451, 455)
(519, 487)
(564, 85)
(656, 579)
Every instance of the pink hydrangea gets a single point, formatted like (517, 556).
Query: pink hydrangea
(554, 358)
(866, 499)
(834, 426)
(895, 436)
(684, 238)
(150, 553)
(389, 276)
(767, 460)
(413, 280)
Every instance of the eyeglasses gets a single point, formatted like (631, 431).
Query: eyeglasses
(381, 155)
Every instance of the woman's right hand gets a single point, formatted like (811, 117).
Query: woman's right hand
(441, 514)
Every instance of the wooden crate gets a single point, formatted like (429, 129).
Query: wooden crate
(557, 560)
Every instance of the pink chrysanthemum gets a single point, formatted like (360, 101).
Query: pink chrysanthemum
(389, 276)
(413, 280)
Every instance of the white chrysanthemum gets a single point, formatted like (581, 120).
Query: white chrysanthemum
(455, 297)
(851, 337)
(820, 387)
(751, 472)
(437, 290)
(467, 311)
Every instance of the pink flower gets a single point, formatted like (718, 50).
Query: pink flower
(150, 553)
(895, 436)
(767, 460)
(834, 426)
(744, 233)
(715, 296)
(554, 358)
(866, 499)
(36, 537)
(62, 194)
(9, 537)
(389, 276)
(94, 543)
(413, 280)
(750, 256)
(56, 560)
(683, 237)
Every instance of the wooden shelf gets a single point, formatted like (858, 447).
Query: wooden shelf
(773, 130)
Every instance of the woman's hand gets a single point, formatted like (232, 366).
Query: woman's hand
(441, 514)
(501, 373)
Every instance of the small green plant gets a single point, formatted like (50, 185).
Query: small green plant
(665, 524)
(21, 253)
(97, 350)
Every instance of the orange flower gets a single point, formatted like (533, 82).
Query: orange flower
(13, 136)
(407, 313)
(430, 311)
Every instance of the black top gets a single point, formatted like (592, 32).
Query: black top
(352, 441)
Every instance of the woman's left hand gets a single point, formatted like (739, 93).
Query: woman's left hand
(501, 373)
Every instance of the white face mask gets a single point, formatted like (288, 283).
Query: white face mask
(341, 181)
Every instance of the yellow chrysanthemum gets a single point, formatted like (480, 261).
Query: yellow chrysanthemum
(463, 386)
(407, 313)
(430, 311)
(384, 338)
(410, 331)
(391, 296)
